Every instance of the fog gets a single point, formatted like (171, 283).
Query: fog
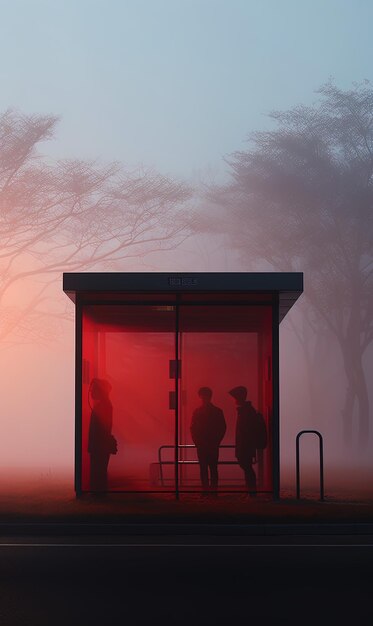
(153, 99)
(37, 390)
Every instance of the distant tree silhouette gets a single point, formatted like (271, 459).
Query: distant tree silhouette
(71, 215)
(301, 198)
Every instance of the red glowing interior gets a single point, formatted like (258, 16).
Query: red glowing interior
(134, 347)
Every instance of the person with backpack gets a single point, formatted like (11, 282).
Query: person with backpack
(251, 435)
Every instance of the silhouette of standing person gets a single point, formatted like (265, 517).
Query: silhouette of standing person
(250, 435)
(101, 443)
(208, 429)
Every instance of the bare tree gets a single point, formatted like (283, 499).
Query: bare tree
(71, 215)
(301, 198)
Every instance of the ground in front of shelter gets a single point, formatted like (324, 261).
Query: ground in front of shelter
(47, 498)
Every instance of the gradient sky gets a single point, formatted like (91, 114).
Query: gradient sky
(175, 84)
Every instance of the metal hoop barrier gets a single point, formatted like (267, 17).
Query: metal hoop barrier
(321, 456)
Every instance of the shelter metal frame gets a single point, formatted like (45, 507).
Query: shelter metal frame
(277, 290)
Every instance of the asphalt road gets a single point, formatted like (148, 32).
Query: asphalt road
(186, 580)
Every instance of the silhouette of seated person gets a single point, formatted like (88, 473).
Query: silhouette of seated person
(100, 439)
(250, 435)
(208, 429)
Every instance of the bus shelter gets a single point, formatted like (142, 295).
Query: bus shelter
(146, 344)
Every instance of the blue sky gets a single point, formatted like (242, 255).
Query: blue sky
(175, 84)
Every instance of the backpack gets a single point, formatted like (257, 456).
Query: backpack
(261, 438)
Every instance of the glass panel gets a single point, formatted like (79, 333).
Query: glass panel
(128, 390)
(222, 347)
(129, 347)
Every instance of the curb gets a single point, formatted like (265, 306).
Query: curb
(88, 528)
